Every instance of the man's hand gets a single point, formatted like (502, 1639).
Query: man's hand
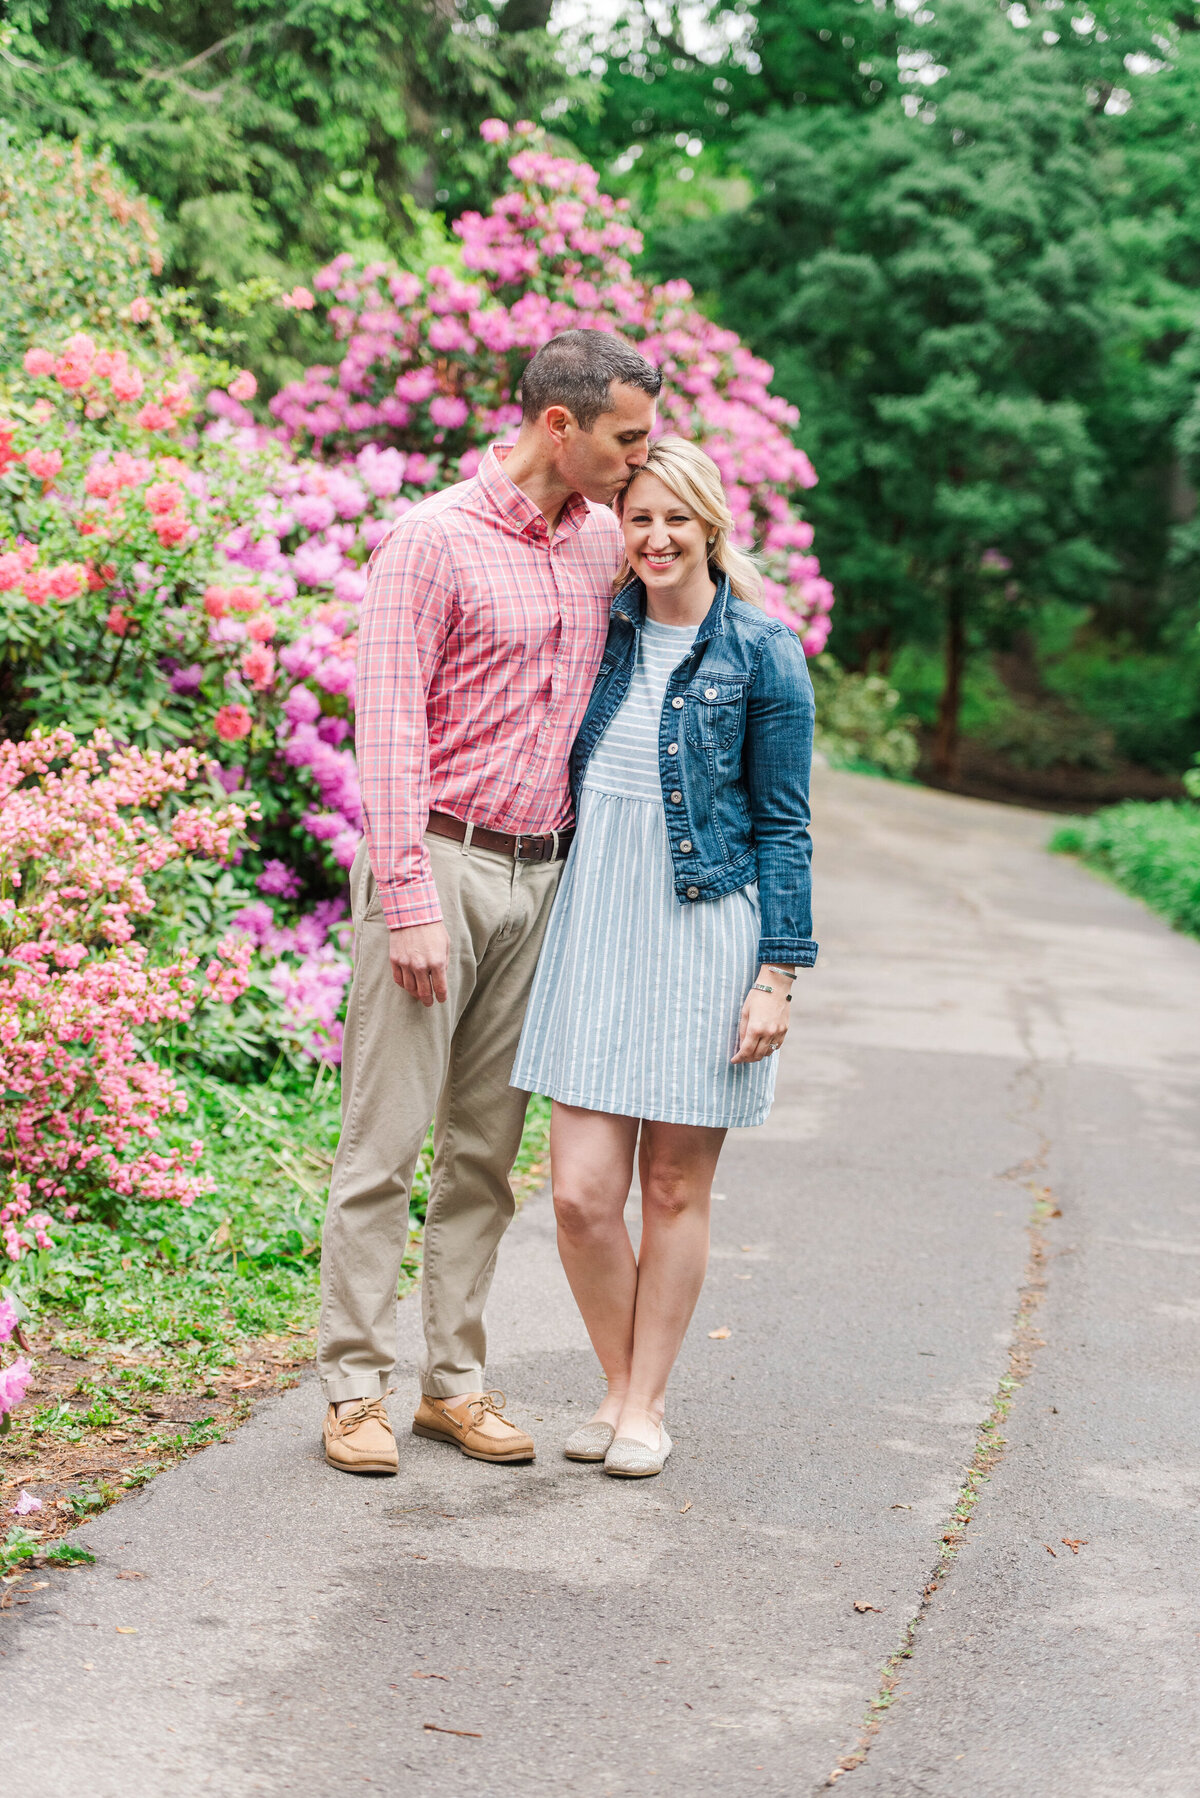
(420, 955)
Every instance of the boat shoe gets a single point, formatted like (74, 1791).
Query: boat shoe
(475, 1425)
(361, 1440)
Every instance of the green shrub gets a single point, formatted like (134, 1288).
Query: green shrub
(1153, 851)
(859, 722)
(1149, 703)
(76, 243)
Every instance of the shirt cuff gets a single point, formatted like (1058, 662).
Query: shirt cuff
(405, 903)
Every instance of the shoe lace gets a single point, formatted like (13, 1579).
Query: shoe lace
(493, 1402)
(348, 1421)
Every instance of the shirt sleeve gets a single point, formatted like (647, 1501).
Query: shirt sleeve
(407, 614)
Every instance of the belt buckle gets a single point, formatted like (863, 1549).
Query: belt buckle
(517, 843)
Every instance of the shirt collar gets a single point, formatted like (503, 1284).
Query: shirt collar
(514, 507)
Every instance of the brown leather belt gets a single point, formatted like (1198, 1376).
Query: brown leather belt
(550, 848)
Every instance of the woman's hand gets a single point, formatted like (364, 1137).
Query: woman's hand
(764, 1020)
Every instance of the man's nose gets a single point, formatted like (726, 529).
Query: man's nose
(638, 456)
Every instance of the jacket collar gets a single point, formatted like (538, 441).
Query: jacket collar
(630, 604)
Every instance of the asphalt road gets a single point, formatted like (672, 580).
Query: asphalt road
(991, 1033)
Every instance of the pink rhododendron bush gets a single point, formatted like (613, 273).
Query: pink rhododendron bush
(88, 835)
(431, 364)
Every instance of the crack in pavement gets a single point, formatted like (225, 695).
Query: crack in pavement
(989, 1446)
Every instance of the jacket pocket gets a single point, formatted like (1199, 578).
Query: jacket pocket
(716, 711)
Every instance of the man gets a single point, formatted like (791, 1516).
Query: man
(482, 628)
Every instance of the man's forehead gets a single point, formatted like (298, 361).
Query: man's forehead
(630, 407)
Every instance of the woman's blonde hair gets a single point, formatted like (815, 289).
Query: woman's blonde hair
(695, 478)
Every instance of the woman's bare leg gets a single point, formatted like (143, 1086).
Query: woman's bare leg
(677, 1164)
(591, 1157)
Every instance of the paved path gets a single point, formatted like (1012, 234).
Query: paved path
(990, 1031)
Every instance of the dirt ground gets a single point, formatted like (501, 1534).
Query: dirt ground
(98, 1423)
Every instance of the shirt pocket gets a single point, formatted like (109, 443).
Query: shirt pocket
(715, 713)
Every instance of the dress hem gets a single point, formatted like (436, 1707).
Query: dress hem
(647, 1116)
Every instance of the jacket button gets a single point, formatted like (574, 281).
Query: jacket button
(693, 892)
(677, 703)
(710, 692)
(685, 847)
(672, 749)
(677, 797)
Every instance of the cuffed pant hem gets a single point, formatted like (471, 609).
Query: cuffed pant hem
(363, 1385)
(453, 1385)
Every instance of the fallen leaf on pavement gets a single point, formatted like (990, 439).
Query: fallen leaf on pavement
(130, 1573)
(684, 1508)
(860, 1604)
(443, 1731)
(1074, 1543)
(124, 1629)
(721, 1334)
(901, 1507)
(444, 1676)
(1049, 1550)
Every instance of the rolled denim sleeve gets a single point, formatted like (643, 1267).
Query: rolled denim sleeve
(777, 763)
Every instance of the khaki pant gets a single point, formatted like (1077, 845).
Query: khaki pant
(403, 1062)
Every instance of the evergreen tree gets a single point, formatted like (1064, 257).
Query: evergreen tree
(931, 278)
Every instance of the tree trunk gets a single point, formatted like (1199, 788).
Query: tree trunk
(945, 736)
(525, 15)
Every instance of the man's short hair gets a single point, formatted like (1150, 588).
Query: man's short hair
(577, 369)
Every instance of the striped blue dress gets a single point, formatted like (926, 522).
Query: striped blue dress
(635, 1003)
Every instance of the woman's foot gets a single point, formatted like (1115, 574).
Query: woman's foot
(629, 1458)
(634, 1424)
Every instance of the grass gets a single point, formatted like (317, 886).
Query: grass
(1151, 850)
(154, 1332)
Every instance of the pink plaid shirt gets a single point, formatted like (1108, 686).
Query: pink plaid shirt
(478, 645)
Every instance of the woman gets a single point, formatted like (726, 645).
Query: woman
(662, 991)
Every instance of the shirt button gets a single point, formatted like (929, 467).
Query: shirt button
(685, 847)
(672, 749)
(693, 892)
(677, 797)
(710, 692)
(677, 703)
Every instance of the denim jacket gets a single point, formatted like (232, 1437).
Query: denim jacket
(734, 753)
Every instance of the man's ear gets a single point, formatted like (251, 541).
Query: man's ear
(558, 420)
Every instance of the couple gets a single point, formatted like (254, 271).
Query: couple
(637, 967)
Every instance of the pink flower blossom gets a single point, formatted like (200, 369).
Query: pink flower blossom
(279, 880)
(449, 411)
(15, 1378)
(163, 496)
(140, 309)
(258, 666)
(232, 723)
(26, 1504)
(300, 299)
(127, 384)
(67, 580)
(493, 131)
(243, 387)
(44, 464)
(39, 362)
(154, 417)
